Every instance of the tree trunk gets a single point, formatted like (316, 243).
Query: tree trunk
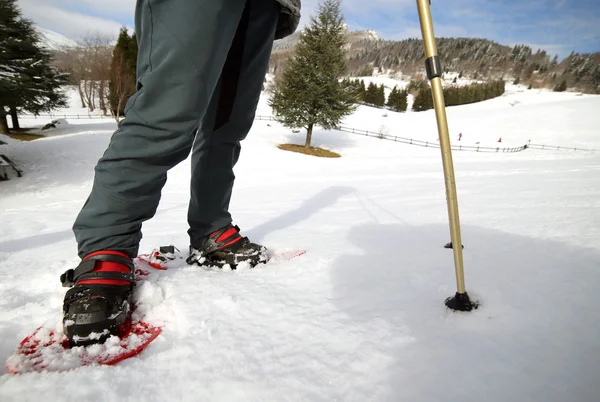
(15, 118)
(101, 91)
(308, 135)
(83, 105)
(93, 96)
(87, 89)
(3, 122)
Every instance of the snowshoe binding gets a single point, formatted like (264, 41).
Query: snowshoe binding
(227, 247)
(98, 304)
(159, 258)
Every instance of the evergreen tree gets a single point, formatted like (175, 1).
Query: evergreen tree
(398, 100)
(309, 92)
(27, 81)
(122, 72)
(561, 87)
(380, 100)
(423, 100)
(363, 90)
(358, 89)
(402, 102)
(371, 94)
(392, 98)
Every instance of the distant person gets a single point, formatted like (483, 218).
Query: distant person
(459, 136)
(200, 71)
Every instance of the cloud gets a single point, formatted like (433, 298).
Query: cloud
(572, 25)
(74, 23)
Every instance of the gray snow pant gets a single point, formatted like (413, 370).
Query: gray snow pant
(200, 70)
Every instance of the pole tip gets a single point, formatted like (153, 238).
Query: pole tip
(461, 302)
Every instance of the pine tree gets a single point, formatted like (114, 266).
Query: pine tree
(363, 90)
(122, 72)
(398, 100)
(392, 98)
(309, 92)
(402, 103)
(423, 100)
(27, 81)
(371, 94)
(380, 96)
(561, 87)
(358, 89)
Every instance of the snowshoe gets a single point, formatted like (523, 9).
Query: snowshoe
(98, 303)
(160, 257)
(227, 247)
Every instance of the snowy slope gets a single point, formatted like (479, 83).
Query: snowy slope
(54, 41)
(360, 317)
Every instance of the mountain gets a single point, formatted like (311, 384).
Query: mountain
(54, 41)
(473, 57)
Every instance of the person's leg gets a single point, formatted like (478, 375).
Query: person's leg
(183, 45)
(228, 120)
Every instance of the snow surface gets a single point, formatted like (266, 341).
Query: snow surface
(360, 316)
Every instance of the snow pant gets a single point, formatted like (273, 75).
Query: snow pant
(200, 71)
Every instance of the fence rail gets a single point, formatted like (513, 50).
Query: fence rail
(66, 116)
(367, 133)
(410, 141)
(558, 148)
(426, 144)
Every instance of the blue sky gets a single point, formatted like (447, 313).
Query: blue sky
(558, 26)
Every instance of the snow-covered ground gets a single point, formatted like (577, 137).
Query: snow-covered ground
(359, 317)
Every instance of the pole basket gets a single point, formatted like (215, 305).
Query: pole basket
(461, 302)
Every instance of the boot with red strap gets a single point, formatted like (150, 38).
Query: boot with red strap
(98, 303)
(227, 246)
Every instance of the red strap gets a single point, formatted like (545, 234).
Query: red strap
(107, 266)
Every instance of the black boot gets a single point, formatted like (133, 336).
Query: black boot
(98, 303)
(227, 246)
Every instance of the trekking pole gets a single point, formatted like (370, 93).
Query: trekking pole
(461, 300)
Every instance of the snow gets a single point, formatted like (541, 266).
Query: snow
(360, 316)
(54, 41)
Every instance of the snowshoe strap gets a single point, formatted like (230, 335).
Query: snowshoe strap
(215, 242)
(85, 269)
